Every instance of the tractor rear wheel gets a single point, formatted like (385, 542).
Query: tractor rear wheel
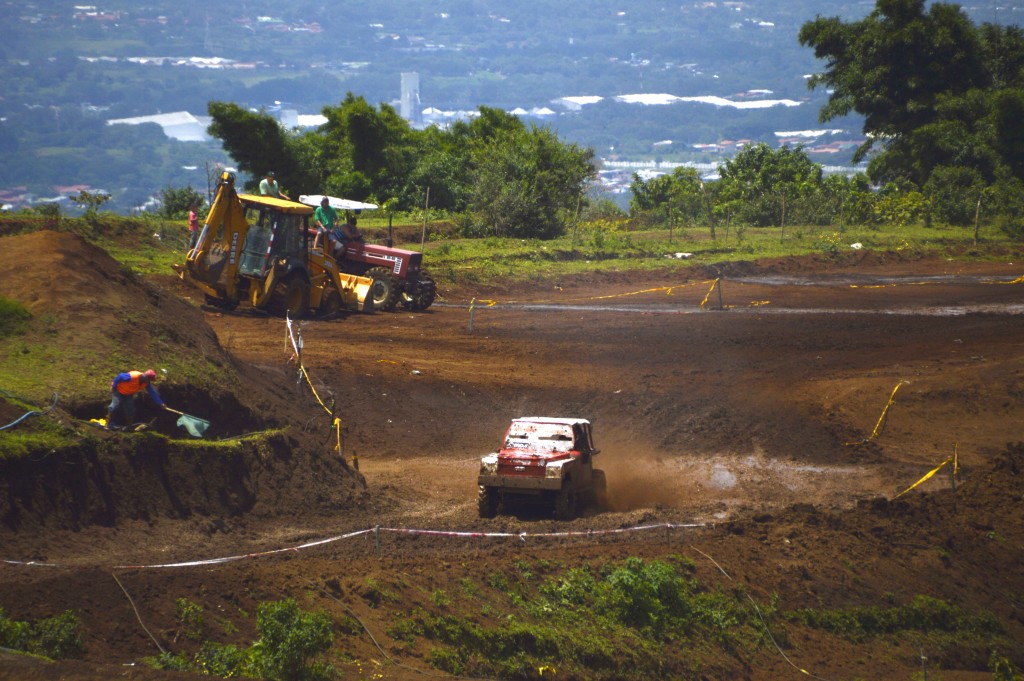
(487, 502)
(385, 289)
(290, 297)
(421, 295)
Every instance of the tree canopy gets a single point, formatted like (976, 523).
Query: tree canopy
(935, 90)
(510, 178)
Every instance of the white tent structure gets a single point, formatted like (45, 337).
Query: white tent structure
(336, 203)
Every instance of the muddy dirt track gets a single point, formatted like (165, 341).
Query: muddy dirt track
(759, 424)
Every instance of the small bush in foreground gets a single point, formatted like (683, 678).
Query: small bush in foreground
(289, 641)
(54, 637)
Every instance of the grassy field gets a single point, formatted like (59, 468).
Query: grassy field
(151, 246)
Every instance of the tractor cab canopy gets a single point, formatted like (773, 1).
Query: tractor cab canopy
(336, 203)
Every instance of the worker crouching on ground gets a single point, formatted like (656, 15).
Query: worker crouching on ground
(125, 390)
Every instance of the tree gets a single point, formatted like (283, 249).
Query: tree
(680, 195)
(770, 180)
(935, 90)
(526, 183)
(91, 200)
(177, 202)
(955, 194)
(258, 143)
(369, 151)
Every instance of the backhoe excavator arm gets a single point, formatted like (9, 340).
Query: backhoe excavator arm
(212, 266)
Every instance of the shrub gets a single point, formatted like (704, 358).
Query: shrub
(13, 317)
(289, 641)
(55, 637)
(190, 616)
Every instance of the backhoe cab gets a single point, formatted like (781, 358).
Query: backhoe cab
(257, 249)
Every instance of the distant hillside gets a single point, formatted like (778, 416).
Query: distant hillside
(68, 70)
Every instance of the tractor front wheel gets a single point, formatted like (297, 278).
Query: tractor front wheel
(385, 289)
(420, 295)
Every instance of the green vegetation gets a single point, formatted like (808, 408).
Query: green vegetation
(592, 621)
(923, 614)
(55, 637)
(937, 91)
(504, 178)
(289, 645)
(642, 619)
(13, 317)
(764, 187)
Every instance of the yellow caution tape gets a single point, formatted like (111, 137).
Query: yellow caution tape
(881, 419)
(927, 476)
(954, 460)
(708, 294)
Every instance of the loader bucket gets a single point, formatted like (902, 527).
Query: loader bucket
(356, 292)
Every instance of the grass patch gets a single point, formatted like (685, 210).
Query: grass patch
(14, 317)
(634, 618)
(922, 614)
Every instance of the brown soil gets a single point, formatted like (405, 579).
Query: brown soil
(760, 422)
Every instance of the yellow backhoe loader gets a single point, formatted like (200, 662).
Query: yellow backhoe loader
(259, 249)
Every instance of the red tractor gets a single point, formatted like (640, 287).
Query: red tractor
(398, 275)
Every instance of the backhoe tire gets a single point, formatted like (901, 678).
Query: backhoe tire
(331, 303)
(385, 290)
(290, 297)
(565, 502)
(420, 295)
(487, 502)
(222, 303)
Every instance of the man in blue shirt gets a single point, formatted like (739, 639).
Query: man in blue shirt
(124, 391)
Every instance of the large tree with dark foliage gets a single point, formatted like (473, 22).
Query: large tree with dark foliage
(935, 90)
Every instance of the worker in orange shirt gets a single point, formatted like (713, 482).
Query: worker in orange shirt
(124, 391)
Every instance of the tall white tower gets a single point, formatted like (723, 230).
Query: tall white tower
(410, 104)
